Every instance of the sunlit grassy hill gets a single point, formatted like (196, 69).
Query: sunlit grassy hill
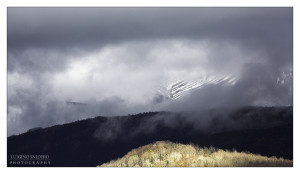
(168, 154)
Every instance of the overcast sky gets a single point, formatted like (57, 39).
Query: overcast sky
(115, 60)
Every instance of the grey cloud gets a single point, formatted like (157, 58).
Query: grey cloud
(61, 28)
(44, 38)
(115, 59)
(35, 111)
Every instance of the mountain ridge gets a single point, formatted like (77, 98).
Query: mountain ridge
(94, 141)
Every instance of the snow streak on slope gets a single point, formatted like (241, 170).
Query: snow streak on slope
(285, 79)
(183, 87)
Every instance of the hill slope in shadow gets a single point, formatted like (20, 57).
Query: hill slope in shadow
(264, 130)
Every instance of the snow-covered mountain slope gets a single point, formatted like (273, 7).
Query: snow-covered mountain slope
(285, 79)
(183, 87)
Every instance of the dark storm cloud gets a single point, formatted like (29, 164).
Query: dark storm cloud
(115, 59)
(61, 29)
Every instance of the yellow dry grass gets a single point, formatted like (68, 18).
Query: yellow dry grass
(168, 154)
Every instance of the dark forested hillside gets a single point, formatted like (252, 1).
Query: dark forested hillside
(264, 130)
